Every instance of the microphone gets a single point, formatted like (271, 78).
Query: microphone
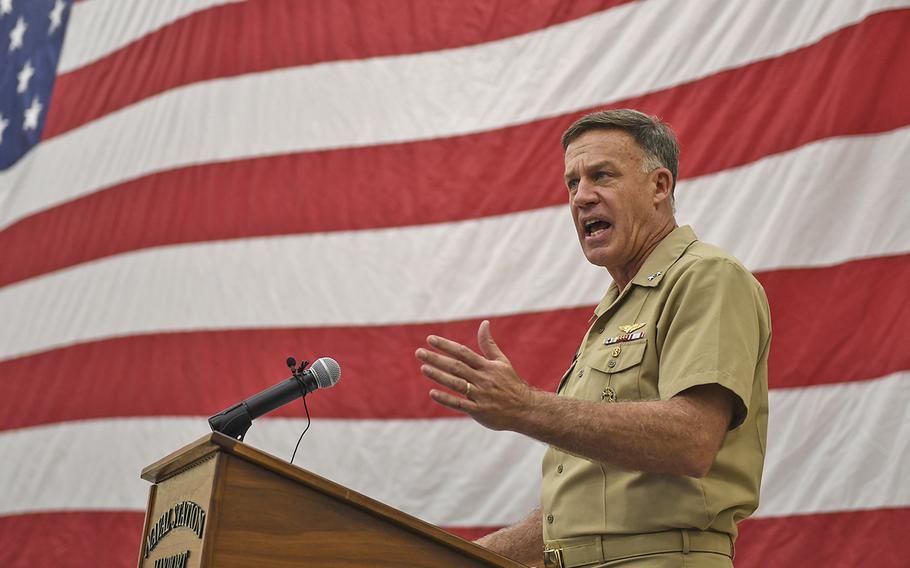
(237, 419)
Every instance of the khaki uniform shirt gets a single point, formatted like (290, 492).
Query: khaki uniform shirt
(693, 315)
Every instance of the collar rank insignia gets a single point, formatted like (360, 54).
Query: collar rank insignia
(655, 275)
(631, 327)
(622, 338)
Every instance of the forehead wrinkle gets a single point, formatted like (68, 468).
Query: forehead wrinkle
(608, 145)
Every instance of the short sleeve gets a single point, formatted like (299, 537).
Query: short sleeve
(713, 330)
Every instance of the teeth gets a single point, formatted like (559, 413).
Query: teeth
(596, 226)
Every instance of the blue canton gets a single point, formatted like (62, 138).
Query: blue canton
(31, 35)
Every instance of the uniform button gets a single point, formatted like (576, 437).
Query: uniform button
(581, 372)
(550, 519)
(616, 351)
(559, 468)
(611, 364)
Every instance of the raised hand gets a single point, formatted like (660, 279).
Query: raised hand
(492, 392)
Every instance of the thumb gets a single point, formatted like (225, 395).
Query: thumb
(487, 344)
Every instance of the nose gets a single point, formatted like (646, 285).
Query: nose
(584, 194)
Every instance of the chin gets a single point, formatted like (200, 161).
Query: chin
(598, 258)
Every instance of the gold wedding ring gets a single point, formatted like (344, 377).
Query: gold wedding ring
(467, 389)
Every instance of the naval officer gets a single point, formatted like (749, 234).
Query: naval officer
(657, 431)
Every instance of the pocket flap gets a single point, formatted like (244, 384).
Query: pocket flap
(621, 356)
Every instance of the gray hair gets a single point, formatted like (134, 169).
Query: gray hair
(654, 137)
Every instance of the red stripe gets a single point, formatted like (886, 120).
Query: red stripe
(260, 35)
(825, 540)
(202, 373)
(70, 539)
(836, 324)
(776, 105)
(817, 316)
(876, 537)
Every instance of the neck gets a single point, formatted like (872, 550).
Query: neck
(624, 274)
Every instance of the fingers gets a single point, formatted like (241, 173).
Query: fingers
(454, 402)
(487, 344)
(457, 350)
(454, 383)
(445, 379)
(447, 364)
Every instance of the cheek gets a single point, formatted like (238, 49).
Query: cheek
(574, 217)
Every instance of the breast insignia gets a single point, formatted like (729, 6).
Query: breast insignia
(629, 328)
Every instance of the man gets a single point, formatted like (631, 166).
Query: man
(657, 430)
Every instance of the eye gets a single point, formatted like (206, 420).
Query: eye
(572, 184)
(600, 175)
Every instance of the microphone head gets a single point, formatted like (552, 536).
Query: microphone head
(326, 372)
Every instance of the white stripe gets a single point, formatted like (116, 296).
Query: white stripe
(821, 204)
(833, 448)
(97, 28)
(766, 213)
(371, 277)
(430, 468)
(605, 57)
(838, 447)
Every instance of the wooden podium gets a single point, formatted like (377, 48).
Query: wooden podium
(220, 503)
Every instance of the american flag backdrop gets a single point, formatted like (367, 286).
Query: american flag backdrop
(210, 186)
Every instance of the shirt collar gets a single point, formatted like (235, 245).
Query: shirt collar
(655, 266)
(664, 255)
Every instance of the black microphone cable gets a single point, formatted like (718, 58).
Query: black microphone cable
(304, 430)
(292, 363)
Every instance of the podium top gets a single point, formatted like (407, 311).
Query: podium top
(204, 447)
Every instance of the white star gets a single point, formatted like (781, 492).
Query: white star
(6, 7)
(25, 76)
(3, 124)
(56, 15)
(31, 115)
(15, 36)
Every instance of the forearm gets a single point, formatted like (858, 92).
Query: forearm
(678, 436)
(675, 436)
(522, 541)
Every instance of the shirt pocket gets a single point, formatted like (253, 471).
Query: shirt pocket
(616, 371)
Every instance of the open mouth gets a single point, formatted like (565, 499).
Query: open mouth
(596, 226)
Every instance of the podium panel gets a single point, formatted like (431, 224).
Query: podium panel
(177, 514)
(218, 502)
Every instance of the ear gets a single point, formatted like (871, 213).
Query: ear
(663, 185)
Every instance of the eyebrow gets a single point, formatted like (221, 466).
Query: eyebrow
(595, 166)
